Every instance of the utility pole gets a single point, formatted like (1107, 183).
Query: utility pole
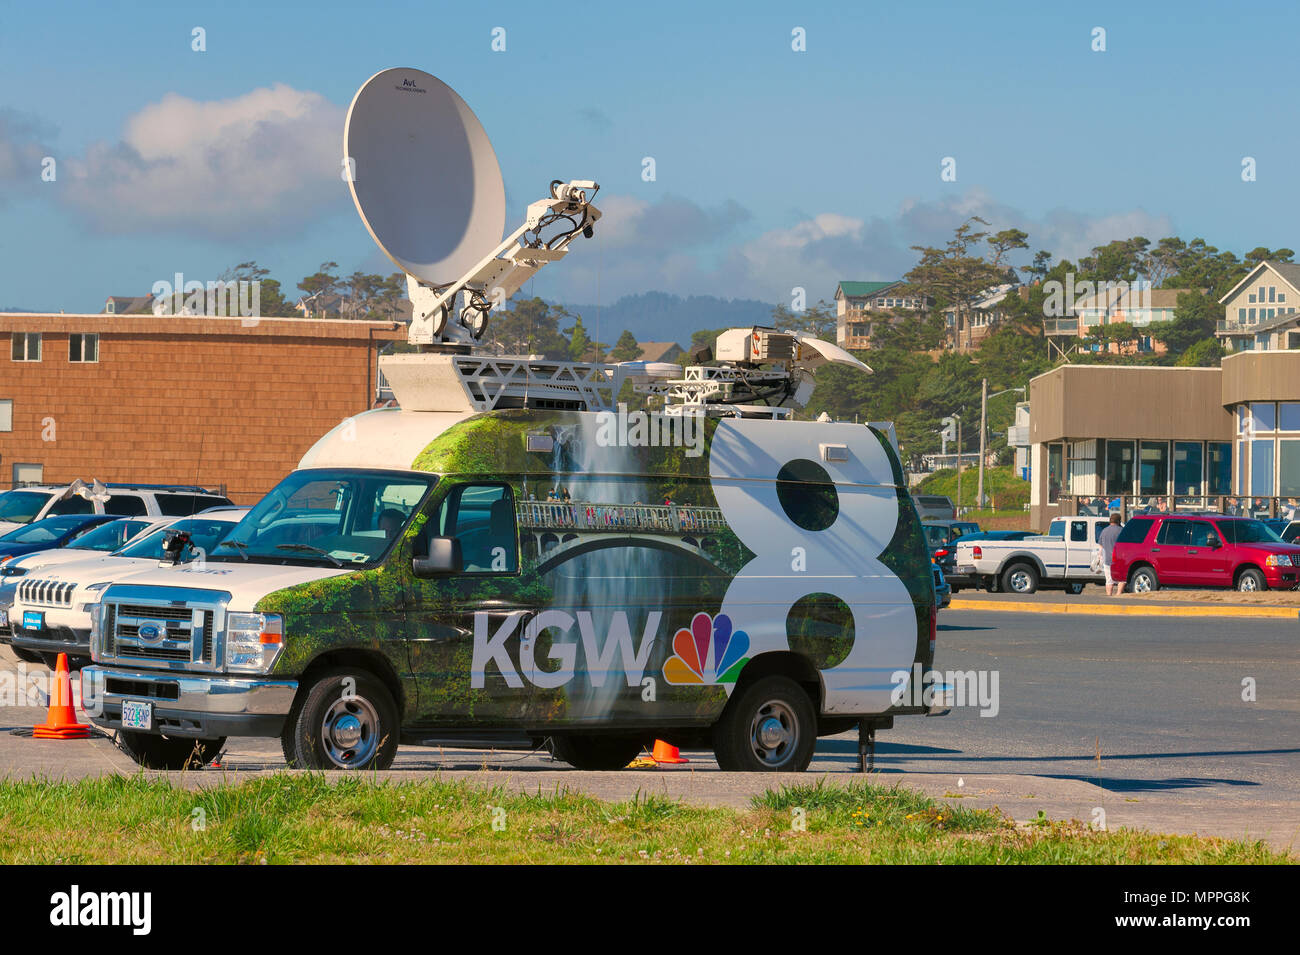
(958, 507)
(984, 403)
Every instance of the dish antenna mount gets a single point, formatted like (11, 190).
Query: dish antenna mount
(426, 183)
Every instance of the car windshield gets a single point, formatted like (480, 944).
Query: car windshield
(43, 532)
(21, 506)
(936, 535)
(1249, 532)
(106, 537)
(328, 517)
(205, 535)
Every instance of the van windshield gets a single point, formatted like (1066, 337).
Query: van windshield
(21, 506)
(331, 518)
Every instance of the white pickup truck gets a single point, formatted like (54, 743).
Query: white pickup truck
(1060, 558)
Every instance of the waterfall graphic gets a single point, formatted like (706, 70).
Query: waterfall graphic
(630, 579)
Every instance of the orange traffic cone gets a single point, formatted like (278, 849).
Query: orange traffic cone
(61, 723)
(664, 753)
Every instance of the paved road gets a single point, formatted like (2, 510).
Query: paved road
(1161, 700)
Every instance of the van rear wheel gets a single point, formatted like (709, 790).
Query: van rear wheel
(599, 753)
(347, 720)
(767, 727)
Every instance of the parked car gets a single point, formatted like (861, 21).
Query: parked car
(1289, 531)
(940, 534)
(934, 507)
(47, 534)
(52, 606)
(942, 592)
(102, 538)
(947, 556)
(28, 504)
(1060, 558)
(1211, 550)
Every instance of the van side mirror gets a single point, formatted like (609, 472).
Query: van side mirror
(443, 558)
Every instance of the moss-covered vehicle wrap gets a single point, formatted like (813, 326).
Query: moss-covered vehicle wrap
(648, 569)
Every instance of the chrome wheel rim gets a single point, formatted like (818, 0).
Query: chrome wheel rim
(774, 733)
(1020, 581)
(1142, 584)
(350, 731)
(1247, 583)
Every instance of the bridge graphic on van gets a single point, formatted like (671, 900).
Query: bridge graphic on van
(562, 530)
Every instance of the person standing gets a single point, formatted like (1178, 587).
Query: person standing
(1106, 541)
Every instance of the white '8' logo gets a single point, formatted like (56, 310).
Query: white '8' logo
(842, 558)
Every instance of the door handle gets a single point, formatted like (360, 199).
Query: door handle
(1192, 550)
(1155, 550)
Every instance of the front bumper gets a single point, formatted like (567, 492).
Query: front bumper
(194, 705)
(69, 640)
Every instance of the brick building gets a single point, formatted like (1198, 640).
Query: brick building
(162, 399)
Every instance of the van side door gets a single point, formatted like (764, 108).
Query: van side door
(465, 631)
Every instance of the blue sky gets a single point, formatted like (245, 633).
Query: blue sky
(774, 168)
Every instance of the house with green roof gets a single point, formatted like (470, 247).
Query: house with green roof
(860, 304)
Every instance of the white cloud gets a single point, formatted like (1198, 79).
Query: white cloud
(677, 246)
(265, 161)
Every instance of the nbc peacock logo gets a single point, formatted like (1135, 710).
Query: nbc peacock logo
(693, 663)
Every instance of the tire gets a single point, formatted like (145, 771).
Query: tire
(955, 591)
(991, 584)
(1074, 589)
(1020, 579)
(167, 752)
(1143, 580)
(27, 656)
(1251, 580)
(769, 726)
(600, 753)
(328, 730)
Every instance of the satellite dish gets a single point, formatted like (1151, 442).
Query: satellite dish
(423, 175)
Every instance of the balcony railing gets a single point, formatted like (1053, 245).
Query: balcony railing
(1260, 508)
(1061, 326)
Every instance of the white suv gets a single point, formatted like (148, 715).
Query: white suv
(24, 505)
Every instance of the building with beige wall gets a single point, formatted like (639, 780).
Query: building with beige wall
(1147, 436)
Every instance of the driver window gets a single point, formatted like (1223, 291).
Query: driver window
(482, 518)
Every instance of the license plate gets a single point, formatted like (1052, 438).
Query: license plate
(966, 569)
(33, 620)
(137, 716)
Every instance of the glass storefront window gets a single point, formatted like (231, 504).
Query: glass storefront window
(1055, 472)
(1241, 468)
(1119, 467)
(1261, 467)
(1265, 414)
(1288, 416)
(1154, 473)
(1218, 471)
(1243, 419)
(1187, 467)
(1288, 468)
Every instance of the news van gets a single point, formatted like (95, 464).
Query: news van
(513, 557)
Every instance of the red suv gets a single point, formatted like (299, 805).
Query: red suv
(1189, 550)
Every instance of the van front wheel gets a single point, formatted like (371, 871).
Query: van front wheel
(769, 726)
(347, 720)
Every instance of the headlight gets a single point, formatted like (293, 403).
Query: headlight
(1273, 560)
(253, 641)
(12, 571)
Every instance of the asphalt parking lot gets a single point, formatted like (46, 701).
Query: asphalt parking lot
(1141, 718)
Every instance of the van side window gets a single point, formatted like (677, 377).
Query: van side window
(1204, 534)
(482, 518)
(1056, 529)
(125, 505)
(1078, 530)
(73, 505)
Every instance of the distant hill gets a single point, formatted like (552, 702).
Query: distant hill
(661, 317)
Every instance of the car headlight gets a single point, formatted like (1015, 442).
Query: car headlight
(253, 641)
(12, 571)
(1273, 560)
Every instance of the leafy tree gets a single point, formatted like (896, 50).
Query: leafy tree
(626, 348)
(1196, 317)
(1207, 353)
(531, 326)
(321, 283)
(579, 343)
(817, 320)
